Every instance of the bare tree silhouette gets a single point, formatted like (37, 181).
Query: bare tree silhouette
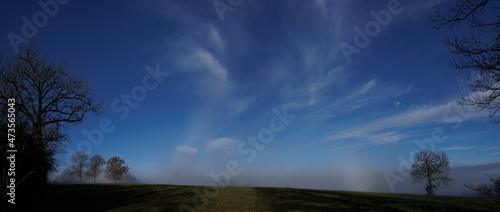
(80, 161)
(49, 100)
(431, 167)
(95, 166)
(477, 52)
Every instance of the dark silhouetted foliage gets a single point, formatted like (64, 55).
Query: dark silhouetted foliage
(49, 100)
(115, 168)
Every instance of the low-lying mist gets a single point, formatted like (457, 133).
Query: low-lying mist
(330, 178)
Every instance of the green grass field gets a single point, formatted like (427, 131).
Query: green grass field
(143, 197)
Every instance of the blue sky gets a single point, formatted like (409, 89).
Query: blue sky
(201, 86)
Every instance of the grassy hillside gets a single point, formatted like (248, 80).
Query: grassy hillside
(142, 197)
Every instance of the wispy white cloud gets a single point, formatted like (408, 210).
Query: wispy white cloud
(306, 104)
(366, 94)
(310, 54)
(366, 87)
(305, 84)
(185, 150)
(322, 82)
(401, 94)
(409, 88)
(324, 86)
(376, 131)
(215, 38)
(370, 138)
(317, 87)
(491, 147)
(396, 103)
(424, 115)
(347, 135)
(351, 97)
(361, 90)
(458, 148)
(386, 138)
(208, 76)
(222, 147)
(204, 59)
(221, 96)
(240, 105)
(322, 5)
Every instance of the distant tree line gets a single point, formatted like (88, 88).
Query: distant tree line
(82, 166)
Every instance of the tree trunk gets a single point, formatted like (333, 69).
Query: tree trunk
(429, 190)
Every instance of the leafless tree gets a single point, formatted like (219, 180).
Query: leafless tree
(431, 167)
(49, 100)
(95, 166)
(115, 168)
(80, 161)
(496, 185)
(486, 190)
(478, 52)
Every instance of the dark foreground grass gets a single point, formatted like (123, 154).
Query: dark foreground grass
(143, 197)
(321, 200)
